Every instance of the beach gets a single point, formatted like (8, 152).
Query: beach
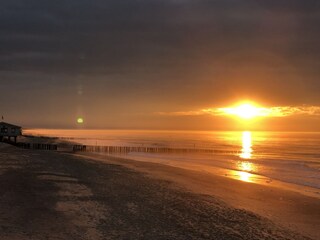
(160, 120)
(51, 195)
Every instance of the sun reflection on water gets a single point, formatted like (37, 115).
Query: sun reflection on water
(245, 176)
(246, 151)
(244, 171)
(245, 167)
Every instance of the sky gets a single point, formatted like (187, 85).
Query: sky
(151, 64)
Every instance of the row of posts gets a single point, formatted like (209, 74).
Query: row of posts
(124, 149)
(116, 149)
(38, 146)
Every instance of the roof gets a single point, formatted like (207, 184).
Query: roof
(9, 125)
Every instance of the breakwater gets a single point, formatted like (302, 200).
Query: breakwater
(37, 146)
(127, 149)
(114, 149)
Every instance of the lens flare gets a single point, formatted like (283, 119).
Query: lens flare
(80, 120)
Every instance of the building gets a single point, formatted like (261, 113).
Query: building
(9, 131)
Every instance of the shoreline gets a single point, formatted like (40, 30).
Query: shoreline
(244, 176)
(291, 209)
(65, 145)
(241, 169)
(58, 195)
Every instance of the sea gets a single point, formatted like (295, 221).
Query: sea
(286, 159)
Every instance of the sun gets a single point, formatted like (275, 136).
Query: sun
(246, 111)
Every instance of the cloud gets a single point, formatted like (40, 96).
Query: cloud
(151, 55)
(187, 113)
(279, 111)
(96, 36)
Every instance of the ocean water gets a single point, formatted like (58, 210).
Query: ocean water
(289, 158)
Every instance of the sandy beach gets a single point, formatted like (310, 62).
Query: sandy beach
(160, 120)
(50, 195)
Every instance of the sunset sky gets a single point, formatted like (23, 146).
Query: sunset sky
(169, 64)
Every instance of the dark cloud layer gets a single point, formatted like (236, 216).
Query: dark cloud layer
(146, 54)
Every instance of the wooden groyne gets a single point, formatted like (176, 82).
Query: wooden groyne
(125, 149)
(115, 149)
(37, 146)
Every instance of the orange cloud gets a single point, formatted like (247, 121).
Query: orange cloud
(279, 111)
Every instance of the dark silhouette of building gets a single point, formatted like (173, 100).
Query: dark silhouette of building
(9, 131)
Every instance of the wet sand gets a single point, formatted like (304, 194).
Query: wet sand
(49, 195)
(295, 211)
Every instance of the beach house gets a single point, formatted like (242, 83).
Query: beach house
(8, 131)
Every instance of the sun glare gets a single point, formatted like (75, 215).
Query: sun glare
(246, 111)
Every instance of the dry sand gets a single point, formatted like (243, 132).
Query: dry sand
(49, 195)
